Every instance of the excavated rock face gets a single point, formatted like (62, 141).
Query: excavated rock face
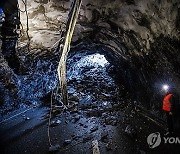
(140, 37)
(7, 76)
(137, 23)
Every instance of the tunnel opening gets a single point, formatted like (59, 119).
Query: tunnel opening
(93, 70)
(90, 75)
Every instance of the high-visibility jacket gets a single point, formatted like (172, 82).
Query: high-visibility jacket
(166, 103)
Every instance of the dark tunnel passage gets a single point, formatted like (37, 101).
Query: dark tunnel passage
(123, 61)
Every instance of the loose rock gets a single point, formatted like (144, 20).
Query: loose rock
(93, 129)
(54, 148)
(94, 113)
(87, 138)
(104, 136)
(74, 98)
(55, 123)
(76, 118)
(66, 142)
(109, 146)
(27, 118)
(130, 131)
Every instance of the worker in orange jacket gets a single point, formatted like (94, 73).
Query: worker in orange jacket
(168, 104)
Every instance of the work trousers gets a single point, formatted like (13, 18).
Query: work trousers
(169, 122)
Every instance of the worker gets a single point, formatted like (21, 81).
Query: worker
(9, 36)
(168, 107)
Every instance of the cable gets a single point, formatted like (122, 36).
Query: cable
(27, 22)
(17, 114)
(20, 9)
(50, 114)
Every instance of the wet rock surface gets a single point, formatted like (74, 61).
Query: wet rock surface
(140, 40)
(54, 148)
(141, 47)
(142, 37)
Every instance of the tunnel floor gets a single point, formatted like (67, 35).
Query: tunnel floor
(99, 109)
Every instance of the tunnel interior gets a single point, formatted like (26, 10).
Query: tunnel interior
(121, 55)
(89, 74)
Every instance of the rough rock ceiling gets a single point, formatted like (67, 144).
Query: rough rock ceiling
(141, 19)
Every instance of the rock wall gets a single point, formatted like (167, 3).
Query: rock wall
(139, 22)
(141, 37)
(7, 76)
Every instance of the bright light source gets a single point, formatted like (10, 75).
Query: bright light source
(94, 62)
(165, 87)
(97, 59)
